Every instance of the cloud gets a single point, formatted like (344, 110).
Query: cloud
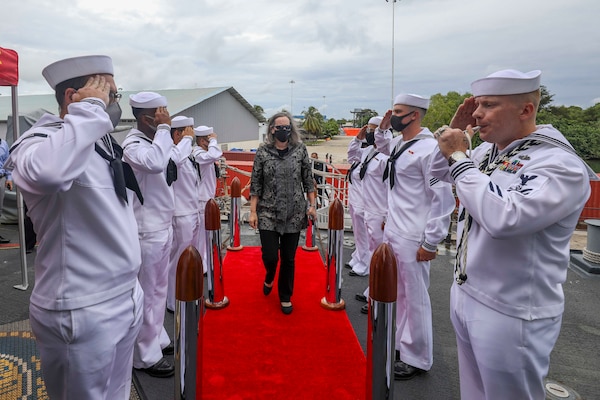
(337, 52)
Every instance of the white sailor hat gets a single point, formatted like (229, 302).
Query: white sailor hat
(75, 67)
(203, 130)
(375, 120)
(506, 82)
(147, 100)
(412, 100)
(181, 121)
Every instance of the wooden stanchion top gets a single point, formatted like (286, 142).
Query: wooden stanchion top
(212, 215)
(189, 279)
(236, 187)
(336, 215)
(384, 275)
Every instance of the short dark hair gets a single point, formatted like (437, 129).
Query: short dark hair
(74, 83)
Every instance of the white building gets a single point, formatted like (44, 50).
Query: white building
(235, 121)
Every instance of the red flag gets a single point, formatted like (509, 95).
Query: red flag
(9, 67)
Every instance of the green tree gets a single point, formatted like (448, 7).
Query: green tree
(313, 121)
(365, 116)
(259, 109)
(442, 109)
(331, 128)
(545, 98)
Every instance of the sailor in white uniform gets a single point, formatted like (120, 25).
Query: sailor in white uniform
(359, 261)
(521, 194)
(374, 193)
(420, 208)
(187, 191)
(86, 305)
(207, 153)
(150, 151)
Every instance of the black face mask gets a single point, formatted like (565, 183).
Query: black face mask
(282, 135)
(370, 137)
(114, 112)
(397, 124)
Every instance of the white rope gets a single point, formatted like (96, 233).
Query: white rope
(591, 256)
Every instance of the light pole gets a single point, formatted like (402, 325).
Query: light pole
(292, 97)
(393, 35)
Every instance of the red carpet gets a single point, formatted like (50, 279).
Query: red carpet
(253, 351)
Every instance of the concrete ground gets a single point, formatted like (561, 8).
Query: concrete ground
(575, 361)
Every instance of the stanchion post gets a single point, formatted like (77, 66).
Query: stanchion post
(234, 216)
(335, 249)
(189, 309)
(309, 243)
(214, 271)
(382, 324)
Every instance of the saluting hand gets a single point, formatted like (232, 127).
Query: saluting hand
(161, 116)
(464, 114)
(386, 121)
(96, 86)
(188, 131)
(363, 133)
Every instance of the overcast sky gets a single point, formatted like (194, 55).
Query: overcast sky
(338, 53)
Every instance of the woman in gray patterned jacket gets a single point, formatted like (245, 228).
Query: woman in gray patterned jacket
(281, 175)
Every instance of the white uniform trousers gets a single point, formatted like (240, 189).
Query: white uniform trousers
(202, 234)
(414, 330)
(153, 276)
(185, 233)
(374, 228)
(359, 260)
(500, 357)
(87, 353)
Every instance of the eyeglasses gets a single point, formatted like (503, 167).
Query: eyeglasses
(283, 128)
(114, 97)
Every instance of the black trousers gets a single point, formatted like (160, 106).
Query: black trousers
(275, 247)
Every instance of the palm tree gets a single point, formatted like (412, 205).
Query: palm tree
(313, 121)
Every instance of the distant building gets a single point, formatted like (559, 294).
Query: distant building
(235, 120)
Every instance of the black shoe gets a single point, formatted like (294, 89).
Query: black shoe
(4, 240)
(352, 273)
(364, 309)
(170, 312)
(403, 371)
(169, 350)
(347, 265)
(361, 297)
(267, 289)
(287, 310)
(162, 369)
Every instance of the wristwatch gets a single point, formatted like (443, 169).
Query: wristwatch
(454, 157)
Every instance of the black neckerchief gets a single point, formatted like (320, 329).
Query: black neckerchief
(363, 169)
(390, 168)
(123, 176)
